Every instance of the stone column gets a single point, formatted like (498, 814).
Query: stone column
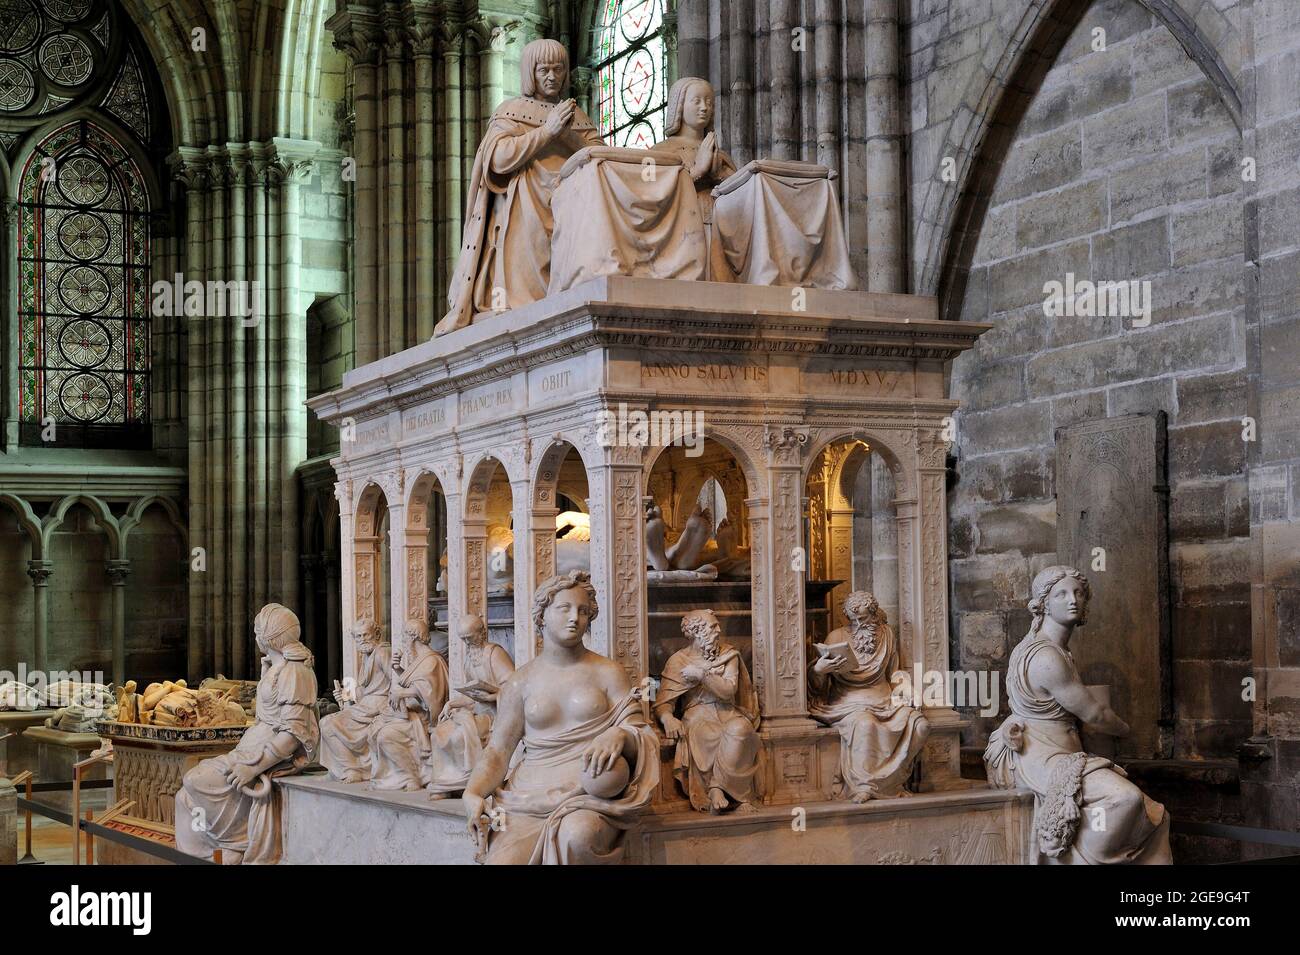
(293, 160)
(347, 576)
(740, 102)
(358, 35)
(259, 393)
(40, 571)
(457, 592)
(190, 169)
(494, 36)
(239, 617)
(218, 328)
(941, 760)
(393, 222)
(884, 150)
(423, 37)
(692, 38)
(9, 288)
(669, 34)
(785, 91)
(521, 501)
(787, 687)
(541, 524)
(453, 161)
(826, 52)
(118, 570)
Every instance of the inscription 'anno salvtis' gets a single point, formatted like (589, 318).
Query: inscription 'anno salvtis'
(712, 372)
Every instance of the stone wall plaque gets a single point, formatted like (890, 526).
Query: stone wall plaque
(1111, 494)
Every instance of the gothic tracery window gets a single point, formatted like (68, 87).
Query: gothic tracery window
(631, 85)
(83, 218)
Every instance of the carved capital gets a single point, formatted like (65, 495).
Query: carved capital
(39, 571)
(785, 445)
(191, 173)
(343, 494)
(358, 38)
(423, 33)
(118, 571)
(9, 212)
(669, 32)
(394, 42)
(580, 81)
(220, 172)
(493, 33)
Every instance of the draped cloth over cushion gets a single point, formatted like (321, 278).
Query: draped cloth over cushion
(625, 212)
(778, 223)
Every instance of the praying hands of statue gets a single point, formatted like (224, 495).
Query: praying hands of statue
(704, 155)
(561, 117)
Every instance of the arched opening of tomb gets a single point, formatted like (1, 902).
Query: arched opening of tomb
(852, 530)
(489, 530)
(697, 547)
(426, 552)
(372, 590)
(561, 532)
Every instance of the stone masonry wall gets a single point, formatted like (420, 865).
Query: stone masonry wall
(1126, 165)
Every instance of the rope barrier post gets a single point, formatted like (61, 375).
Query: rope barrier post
(24, 779)
(90, 839)
(95, 757)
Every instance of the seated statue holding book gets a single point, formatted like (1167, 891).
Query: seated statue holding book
(850, 684)
(466, 721)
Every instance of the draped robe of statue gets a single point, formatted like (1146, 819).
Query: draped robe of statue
(879, 735)
(400, 738)
(507, 240)
(720, 169)
(345, 735)
(543, 789)
(463, 731)
(719, 746)
(249, 822)
(1038, 748)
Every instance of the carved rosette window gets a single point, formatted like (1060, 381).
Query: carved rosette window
(76, 109)
(631, 85)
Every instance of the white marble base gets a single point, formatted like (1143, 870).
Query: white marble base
(328, 822)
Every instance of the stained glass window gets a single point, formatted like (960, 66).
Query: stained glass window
(70, 70)
(83, 291)
(631, 88)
